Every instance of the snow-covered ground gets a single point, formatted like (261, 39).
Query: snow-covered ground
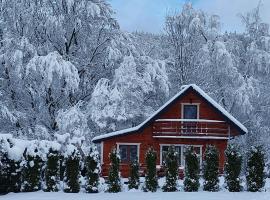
(223, 194)
(139, 195)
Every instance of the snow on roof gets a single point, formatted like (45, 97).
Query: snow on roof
(219, 107)
(184, 88)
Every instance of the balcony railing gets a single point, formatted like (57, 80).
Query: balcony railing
(191, 127)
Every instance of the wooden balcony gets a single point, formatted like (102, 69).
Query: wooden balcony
(191, 128)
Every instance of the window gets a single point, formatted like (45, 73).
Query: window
(180, 149)
(128, 152)
(190, 111)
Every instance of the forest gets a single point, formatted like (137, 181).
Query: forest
(66, 67)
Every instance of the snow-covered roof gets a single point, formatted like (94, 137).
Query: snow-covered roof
(184, 89)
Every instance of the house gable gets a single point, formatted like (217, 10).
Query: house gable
(172, 110)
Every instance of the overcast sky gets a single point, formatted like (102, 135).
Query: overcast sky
(148, 15)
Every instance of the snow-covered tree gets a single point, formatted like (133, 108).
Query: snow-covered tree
(232, 169)
(134, 176)
(92, 164)
(5, 168)
(31, 174)
(151, 183)
(171, 167)
(192, 170)
(255, 169)
(125, 98)
(52, 171)
(114, 182)
(72, 170)
(211, 169)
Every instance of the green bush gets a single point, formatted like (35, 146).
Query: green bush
(114, 182)
(52, 171)
(255, 169)
(92, 165)
(31, 174)
(210, 171)
(72, 172)
(134, 178)
(192, 170)
(233, 168)
(4, 169)
(171, 168)
(151, 183)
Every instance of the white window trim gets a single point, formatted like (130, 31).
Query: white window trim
(182, 145)
(195, 104)
(137, 144)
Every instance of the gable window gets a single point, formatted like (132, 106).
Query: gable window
(128, 152)
(190, 111)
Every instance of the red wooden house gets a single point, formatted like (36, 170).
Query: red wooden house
(190, 118)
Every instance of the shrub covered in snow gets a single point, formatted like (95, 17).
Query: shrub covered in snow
(52, 172)
(114, 182)
(134, 177)
(151, 183)
(255, 169)
(192, 170)
(92, 165)
(171, 168)
(233, 168)
(210, 171)
(72, 170)
(4, 168)
(31, 174)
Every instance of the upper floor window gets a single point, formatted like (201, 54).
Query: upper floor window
(128, 152)
(190, 111)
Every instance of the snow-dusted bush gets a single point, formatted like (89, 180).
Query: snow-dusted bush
(192, 170)
(114, 182)
(210, 169)
(233, 168)
(31, 174)
(134, 177)
(4, 168)
(11, 151)
(255, 169)
(151, 183)
(171, 168)
(72, 170)
(52, 172)
(92, 164)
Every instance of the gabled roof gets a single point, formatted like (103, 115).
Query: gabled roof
(186, 88)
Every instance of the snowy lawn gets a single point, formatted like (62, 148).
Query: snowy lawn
(223, 194)
(139, 195)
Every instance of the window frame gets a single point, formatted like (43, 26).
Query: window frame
(189, 104)
(128, 152)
